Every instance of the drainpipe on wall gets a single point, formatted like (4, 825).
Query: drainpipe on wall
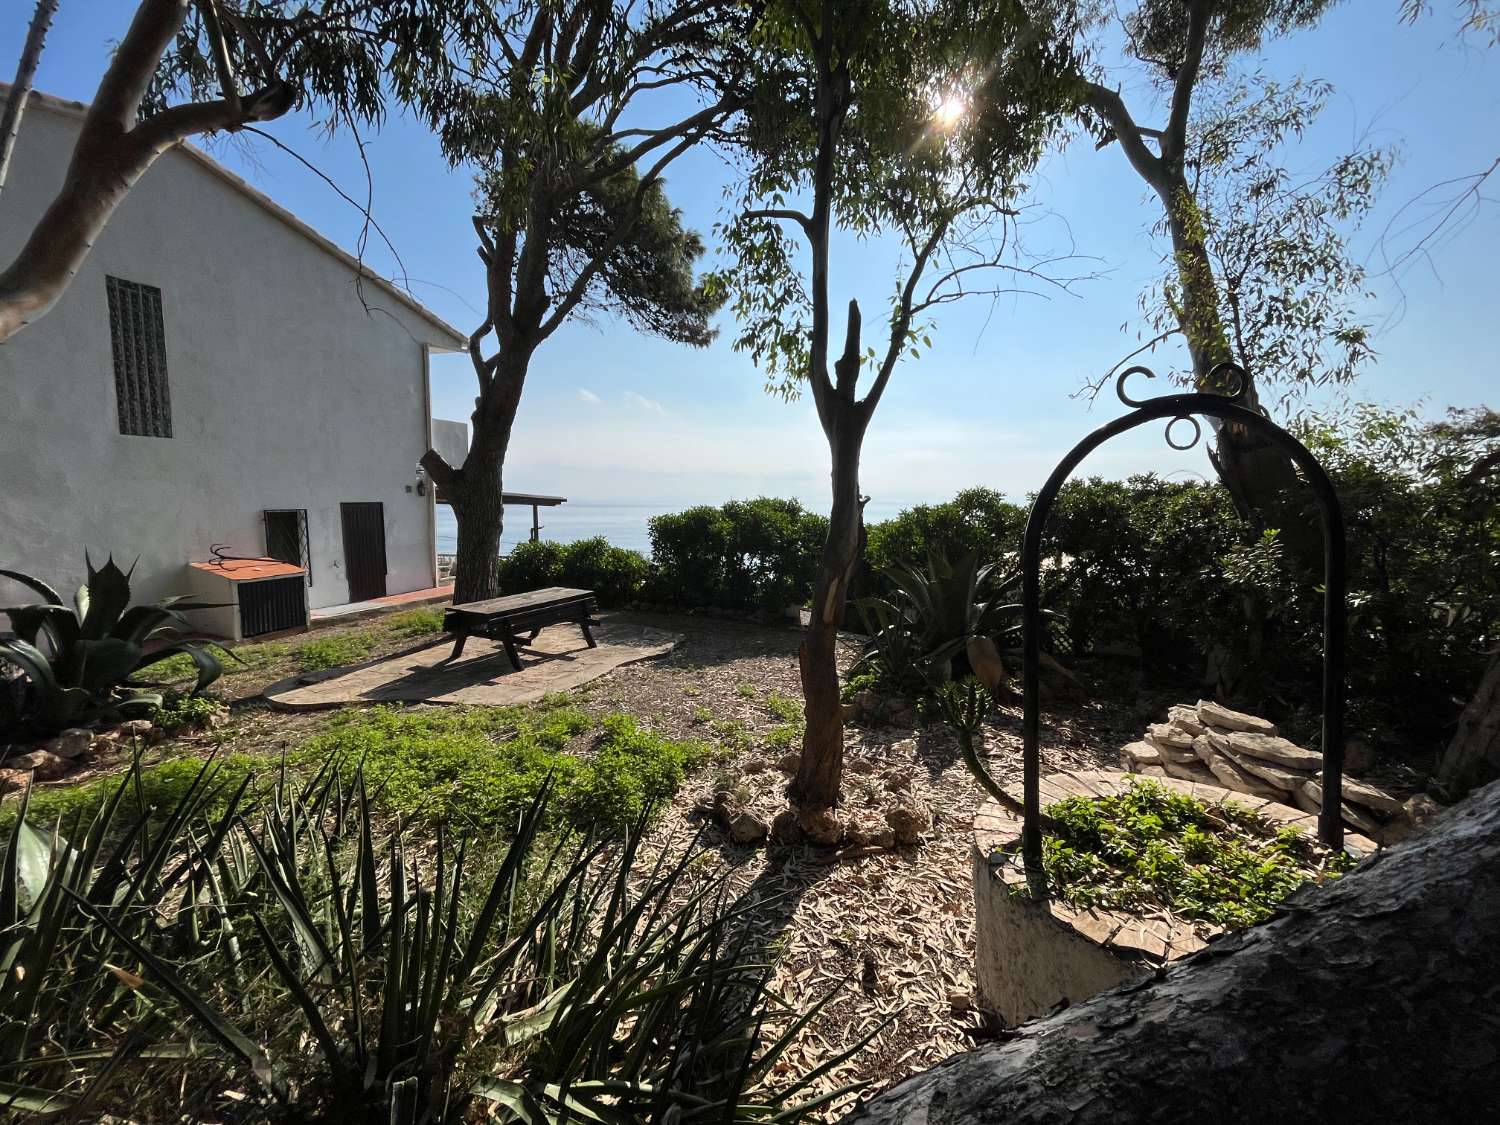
(431, 497)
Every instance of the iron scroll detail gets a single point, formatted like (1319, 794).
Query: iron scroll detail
(1227, 406)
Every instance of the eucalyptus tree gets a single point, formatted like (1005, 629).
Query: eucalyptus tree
(1277, 241)
(573, 114)
(909, 120)
(1182, 43)
(185, 68)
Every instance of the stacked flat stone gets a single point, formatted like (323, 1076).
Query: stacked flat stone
(1213, 744)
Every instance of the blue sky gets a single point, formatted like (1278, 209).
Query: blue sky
(613, 416)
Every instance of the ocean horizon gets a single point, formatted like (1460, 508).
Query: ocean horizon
(624, 525)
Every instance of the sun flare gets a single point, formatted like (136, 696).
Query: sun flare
(949, 109)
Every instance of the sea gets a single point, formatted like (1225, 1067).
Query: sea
(624, 525)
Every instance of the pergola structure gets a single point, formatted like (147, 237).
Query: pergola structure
(535, 501)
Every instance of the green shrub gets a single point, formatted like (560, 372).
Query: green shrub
(746, 555)
(616, 575)
(977, 520)
(1150, 847)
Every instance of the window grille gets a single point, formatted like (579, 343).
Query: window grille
(140, 354)
(286, 537)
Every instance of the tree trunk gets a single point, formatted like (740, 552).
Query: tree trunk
(20, 89)
(475, 489)
(816, 785)
(1260, 479)
(480, 515)
(1475, 748)
(1370, 999)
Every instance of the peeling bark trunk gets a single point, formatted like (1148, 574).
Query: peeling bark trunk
(816, 785)
(1475, 748)
(1370, 999)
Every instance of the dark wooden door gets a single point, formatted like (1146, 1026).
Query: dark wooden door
(364, 550)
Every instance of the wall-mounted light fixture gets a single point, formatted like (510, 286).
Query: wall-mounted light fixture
(421, 481)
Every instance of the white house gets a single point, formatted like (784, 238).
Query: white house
(212, 376)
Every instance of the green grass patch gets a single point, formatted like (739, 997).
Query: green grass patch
(475, 769)
(333, 651)
(787, 708)
(1152, 847)
(783, 736)
(734, 735)
(413, 623)
(745, 690)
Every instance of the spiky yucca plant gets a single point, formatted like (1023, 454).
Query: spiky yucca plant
(321, 975)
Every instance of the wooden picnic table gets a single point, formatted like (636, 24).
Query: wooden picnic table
(505, 619)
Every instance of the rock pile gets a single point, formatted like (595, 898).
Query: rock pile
(884, 813)
(1213, 744)
(56, 757)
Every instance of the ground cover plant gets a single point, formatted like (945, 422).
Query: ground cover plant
(311, 962)
(472, 769)
(476, 768)
(1150, 847)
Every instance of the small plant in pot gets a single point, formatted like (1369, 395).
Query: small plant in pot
(75, 661)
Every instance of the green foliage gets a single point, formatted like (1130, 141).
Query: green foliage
(1278, 238)
(477, 768)
(1151, 847)
(1134, 564)
(308, 965)
(76, 661)
(842, 117)
(978, 521)
(746, 555)
(180, 712)
(616, 575)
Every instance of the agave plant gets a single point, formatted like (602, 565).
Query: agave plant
(76, 660)
(410, 981)
(923, 630)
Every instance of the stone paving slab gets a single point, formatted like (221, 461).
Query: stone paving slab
(557, 661)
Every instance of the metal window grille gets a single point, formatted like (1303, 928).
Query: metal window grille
(286, 537)
(140, 354)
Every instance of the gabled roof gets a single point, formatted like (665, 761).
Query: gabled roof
(458, 339)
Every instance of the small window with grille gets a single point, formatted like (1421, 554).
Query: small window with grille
(140, 353)
(286, 537)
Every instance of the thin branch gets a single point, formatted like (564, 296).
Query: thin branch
(20, 89)
(802, 220)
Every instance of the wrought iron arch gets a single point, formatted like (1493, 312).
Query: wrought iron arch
(1182, 408)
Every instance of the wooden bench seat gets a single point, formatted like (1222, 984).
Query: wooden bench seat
(505, 619)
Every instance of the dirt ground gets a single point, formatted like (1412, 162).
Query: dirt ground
(890, 933)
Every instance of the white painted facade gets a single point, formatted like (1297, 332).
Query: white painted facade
(285, 392)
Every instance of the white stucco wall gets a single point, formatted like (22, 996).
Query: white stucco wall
(451, 439)
(285, 393)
